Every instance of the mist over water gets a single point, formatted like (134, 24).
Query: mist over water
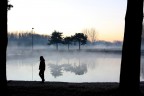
(90, 64)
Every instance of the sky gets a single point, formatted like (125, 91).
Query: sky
(69, 17)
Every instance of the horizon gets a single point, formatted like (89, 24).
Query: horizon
(69, 17)
(18, 34)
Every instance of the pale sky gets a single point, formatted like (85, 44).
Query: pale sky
(69, 17)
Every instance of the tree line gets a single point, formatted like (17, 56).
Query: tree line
(56, 38)
(25, 39)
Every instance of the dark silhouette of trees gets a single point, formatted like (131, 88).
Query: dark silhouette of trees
(130, 64)
(56, 38)
(23, 39)
(80, 38)
(67, 40)
(73, 40)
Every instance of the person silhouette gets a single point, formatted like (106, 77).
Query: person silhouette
(42, 68)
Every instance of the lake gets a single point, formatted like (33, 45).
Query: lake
(87, 65)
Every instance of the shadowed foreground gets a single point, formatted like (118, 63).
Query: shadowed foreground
(35, 88)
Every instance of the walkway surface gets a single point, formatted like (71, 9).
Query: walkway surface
(36, 88)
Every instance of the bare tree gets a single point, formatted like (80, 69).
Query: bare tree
(91, 34)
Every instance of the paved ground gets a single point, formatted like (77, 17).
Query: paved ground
(36, 88)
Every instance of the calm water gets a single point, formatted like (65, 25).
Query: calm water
(73, 66)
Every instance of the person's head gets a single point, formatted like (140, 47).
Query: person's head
(41, 58)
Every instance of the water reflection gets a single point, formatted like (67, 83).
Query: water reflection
(142, 68)
(78, 70)
(57, 70)
(67, 66)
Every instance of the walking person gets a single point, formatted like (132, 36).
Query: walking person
(42, 68)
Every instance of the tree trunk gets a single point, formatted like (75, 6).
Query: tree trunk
(3, 46)
(130, 64)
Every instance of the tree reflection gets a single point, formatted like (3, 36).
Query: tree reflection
(78, 70)
(57, 70)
